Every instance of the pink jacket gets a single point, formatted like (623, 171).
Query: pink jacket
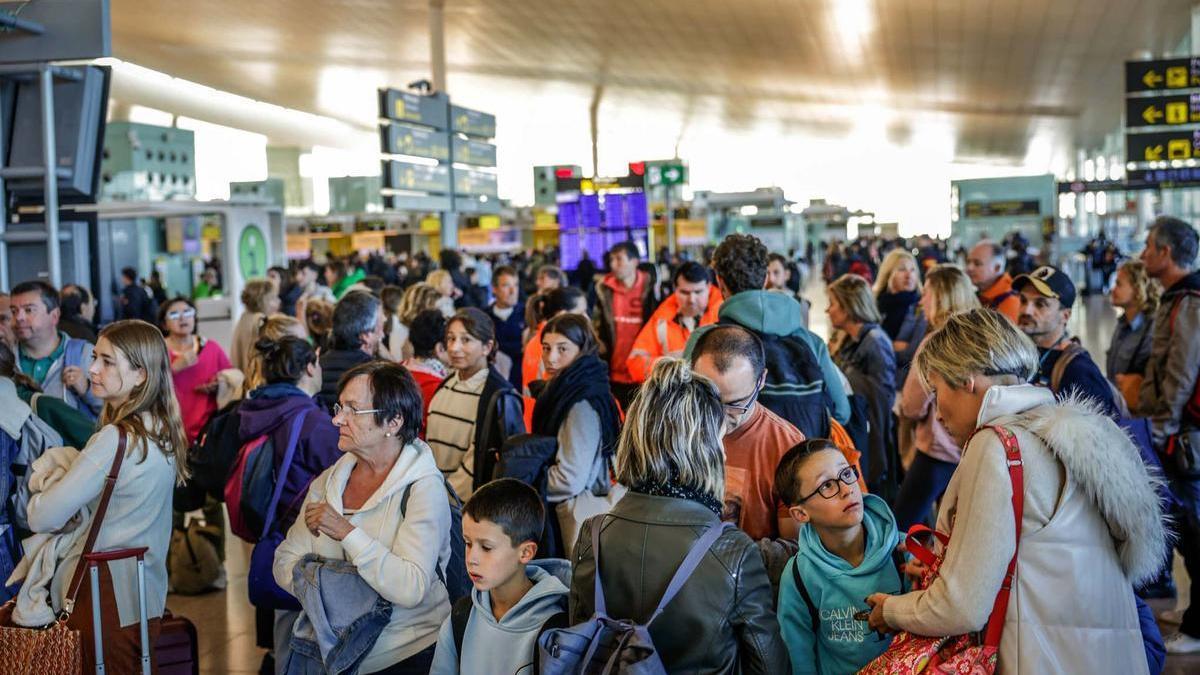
(916, 404)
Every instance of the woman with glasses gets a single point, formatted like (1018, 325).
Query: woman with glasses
(947, 291)
(670, 458)
(847, 551)
(867, 359)
(1089, 527)
(195, 363)
(577, 409)
(383, 508)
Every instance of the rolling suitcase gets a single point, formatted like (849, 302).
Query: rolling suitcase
(93, 561)
(175, 651)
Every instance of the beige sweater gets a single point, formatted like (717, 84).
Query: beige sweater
(1072, 607)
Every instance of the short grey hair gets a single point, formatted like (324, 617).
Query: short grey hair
(1179, 236)
(354, 315)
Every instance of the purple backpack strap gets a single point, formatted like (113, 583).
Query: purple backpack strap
(284, 467)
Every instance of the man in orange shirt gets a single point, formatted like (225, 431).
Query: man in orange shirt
(985, 267)
(693, 304)
(755, 438)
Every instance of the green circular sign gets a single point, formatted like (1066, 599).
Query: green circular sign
(252, 253)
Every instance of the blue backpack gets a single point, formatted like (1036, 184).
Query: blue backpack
(455, 578)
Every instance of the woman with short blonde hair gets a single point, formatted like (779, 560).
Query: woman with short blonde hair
(1136, 294)
(897, 292)
(670, 457)
(443, 282)
(867, 359)
(1086, 496)
(414, 300)
(947, 291)
(131, 374)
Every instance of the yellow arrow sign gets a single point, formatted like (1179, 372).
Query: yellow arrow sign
(1152, 114)
(1152, 79)
(1154, 153)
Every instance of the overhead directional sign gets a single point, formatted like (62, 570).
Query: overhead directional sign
(665, 174)
(1162, 146)
(471, 182)
(416, 177)
(402, 138)
(408, 106)
(472, 122)
(1156, 111)
(1002, 208)
(474, 152)
(1181, 73)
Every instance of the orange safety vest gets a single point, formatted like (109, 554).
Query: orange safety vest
(663, 334)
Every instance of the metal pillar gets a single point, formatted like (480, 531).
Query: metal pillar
(50, 186)
(437, 43)
(594, 114)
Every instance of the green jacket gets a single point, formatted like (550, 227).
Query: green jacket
(75, 428)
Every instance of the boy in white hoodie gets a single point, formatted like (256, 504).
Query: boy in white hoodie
(495, 630)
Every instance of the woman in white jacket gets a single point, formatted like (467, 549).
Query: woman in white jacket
(353, 512)
(1091, 527)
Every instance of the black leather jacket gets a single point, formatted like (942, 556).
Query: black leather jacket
(722, 621)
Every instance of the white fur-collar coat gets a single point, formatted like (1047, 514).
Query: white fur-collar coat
(1091, 529)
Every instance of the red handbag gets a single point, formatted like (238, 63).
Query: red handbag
(973, 653)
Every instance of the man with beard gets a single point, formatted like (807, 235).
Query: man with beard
(1046, 297)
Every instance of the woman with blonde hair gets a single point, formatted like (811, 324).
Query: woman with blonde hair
(1136, 295)
(398, 319)
(259, 299)
(671, 459)
(897, 292)
(1086, 528)
(866, 358)
(142, 447)
(443, 282)
(318, 320)
(947, 291)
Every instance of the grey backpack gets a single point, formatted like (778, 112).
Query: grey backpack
(602, 644)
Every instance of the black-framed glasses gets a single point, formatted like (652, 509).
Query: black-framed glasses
(830, 488)
(338, 409)
(744, 406)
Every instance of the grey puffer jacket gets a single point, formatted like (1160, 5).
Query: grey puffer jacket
(722, 621)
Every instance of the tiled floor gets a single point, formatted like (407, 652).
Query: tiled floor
(225, 619)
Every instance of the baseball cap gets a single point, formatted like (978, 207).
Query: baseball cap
(1050, 282)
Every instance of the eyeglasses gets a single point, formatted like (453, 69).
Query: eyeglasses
(338, 409)
(747, 403)
(181, 314)
(830, 488)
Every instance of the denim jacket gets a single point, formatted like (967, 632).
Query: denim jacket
(342, 618)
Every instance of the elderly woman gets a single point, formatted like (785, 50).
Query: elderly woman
(866, 357)
(671, 458)
(1089, 528)
(382, 507)
(1136, 295)
(947, 291)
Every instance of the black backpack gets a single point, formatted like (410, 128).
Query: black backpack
(795, 388)
(211, 457)
(527, 458)
(457, 581)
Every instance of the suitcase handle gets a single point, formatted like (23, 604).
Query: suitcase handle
(93, 561)
(118, 554)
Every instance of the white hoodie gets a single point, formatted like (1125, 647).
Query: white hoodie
(397, 556)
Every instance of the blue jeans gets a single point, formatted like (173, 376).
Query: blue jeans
(925, 481)
(1187, 527)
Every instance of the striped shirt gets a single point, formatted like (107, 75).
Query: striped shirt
(451, 429)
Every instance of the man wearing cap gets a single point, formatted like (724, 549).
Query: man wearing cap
(1046, 297)
(985, 268)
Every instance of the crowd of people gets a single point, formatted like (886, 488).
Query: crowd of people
(497, 464)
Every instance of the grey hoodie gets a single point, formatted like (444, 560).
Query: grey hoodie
(503, 647)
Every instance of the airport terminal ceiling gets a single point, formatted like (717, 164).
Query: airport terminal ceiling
(998, 71)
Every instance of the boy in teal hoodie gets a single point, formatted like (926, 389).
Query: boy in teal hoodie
(513, 598)
(847, 552)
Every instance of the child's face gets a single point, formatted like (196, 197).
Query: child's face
(843, 509)
(492, 559)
